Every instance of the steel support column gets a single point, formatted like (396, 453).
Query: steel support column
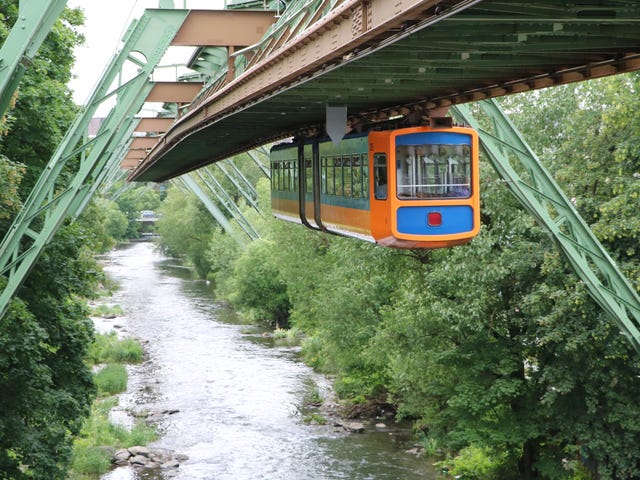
(223, 197)
(240, 182)
(111, 156)
(544, 199)
(256, 160)
(54, 197)
(35, 19)
(190, 183)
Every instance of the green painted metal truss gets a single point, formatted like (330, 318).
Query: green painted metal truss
(53, 199)
(544, 199)
(35, 19)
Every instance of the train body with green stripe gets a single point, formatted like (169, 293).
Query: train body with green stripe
(414, 187)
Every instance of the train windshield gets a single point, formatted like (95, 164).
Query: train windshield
(433, 165)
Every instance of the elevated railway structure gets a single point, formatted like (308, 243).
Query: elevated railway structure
(339, 66)
(383, 59)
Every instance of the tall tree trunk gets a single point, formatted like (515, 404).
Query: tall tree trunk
(527, 461)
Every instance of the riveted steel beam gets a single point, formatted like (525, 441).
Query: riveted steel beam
(391, 59)
(238, 28)
(351, 25)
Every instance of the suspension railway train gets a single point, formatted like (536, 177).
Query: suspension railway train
(414, 187)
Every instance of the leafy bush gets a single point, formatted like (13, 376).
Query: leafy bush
(287, 336)
(258, 288)
(185, 229)
(476, 463)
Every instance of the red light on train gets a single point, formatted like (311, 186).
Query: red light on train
(434, 219)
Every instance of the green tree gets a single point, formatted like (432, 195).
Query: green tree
(257, 286)
(132, 202)
(222, 251)
(107, 224)
(185, 229)
(44, 107)
(45, 387)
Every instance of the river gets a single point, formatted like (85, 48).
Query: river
(236, 398)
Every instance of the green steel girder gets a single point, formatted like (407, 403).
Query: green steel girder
(125, 187)
(192, 185)
(253, 155)
(223, 197)
(113, 154)
(51, 201)
(115, 175)
(240, 182)
(544, 199)
(35, 19)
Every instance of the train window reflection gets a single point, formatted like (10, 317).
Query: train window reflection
(380, 173)
(433, 171)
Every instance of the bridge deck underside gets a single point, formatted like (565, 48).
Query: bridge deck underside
(485, 49)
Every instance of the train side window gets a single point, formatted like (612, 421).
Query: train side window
(347, 176)
(380, 175)
(309, 175)
(275, 175)
(284, 175)
(331, 176)
(323, 174)
(294, 176)
(357, 172)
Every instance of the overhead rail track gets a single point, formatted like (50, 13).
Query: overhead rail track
(401, 59)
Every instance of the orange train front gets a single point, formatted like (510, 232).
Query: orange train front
(413, 187)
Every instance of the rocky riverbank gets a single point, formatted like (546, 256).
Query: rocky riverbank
(140, 457)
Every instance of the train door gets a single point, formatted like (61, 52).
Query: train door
(381, 184)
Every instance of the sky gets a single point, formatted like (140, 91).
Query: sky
(106, 22)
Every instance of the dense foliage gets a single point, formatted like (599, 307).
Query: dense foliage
(494, 349)
(45, 387)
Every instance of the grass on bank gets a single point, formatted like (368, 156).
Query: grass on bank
(111, 379)
(99, 437)
(104, 310)
(108, 348)
(289, 337)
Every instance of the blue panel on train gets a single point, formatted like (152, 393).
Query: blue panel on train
(430, 138)
(455, 219)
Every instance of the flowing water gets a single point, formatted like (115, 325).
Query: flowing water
(225, 397)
